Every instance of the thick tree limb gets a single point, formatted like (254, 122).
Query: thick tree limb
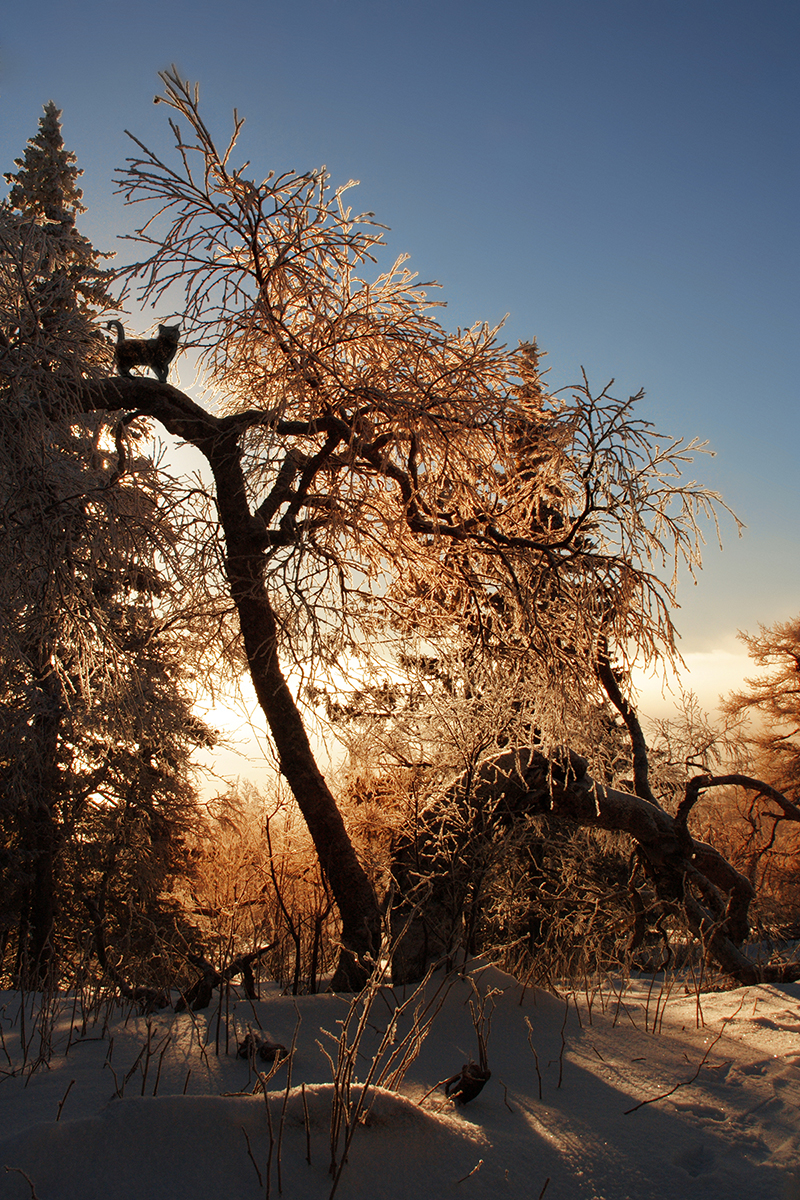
(200, 994)
(688, 875)
(702, 782)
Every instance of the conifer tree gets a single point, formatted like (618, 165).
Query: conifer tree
(62, 286)
(96, 733)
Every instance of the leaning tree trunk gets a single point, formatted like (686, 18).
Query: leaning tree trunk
(433, 863)
(244, 565)
(218, 439)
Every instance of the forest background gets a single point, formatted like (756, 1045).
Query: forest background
(656, 234)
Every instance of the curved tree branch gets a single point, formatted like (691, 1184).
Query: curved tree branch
(688, 875)
(641, 765)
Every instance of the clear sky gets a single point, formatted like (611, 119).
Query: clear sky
(619, 176)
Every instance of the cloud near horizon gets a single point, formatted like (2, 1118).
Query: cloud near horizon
(710, 674)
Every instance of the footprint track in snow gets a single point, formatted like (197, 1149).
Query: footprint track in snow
(709, 1111)
(696, 1160)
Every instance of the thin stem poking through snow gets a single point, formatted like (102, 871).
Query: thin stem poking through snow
(700, 1065)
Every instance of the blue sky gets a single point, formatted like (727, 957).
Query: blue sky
(619, 176)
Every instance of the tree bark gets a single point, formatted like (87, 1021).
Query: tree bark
(43, 835)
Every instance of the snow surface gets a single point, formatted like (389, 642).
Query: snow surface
(107, 1114)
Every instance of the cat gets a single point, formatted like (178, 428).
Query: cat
(156, 353)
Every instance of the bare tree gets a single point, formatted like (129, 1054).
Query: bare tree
(757, 820)
(376, 476)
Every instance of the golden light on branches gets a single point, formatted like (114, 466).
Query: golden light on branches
(407, 479)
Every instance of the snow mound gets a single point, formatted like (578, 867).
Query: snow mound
(187, 1147)
(640, 1090)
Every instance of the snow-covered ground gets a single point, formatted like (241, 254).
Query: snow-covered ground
(643, 1095)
